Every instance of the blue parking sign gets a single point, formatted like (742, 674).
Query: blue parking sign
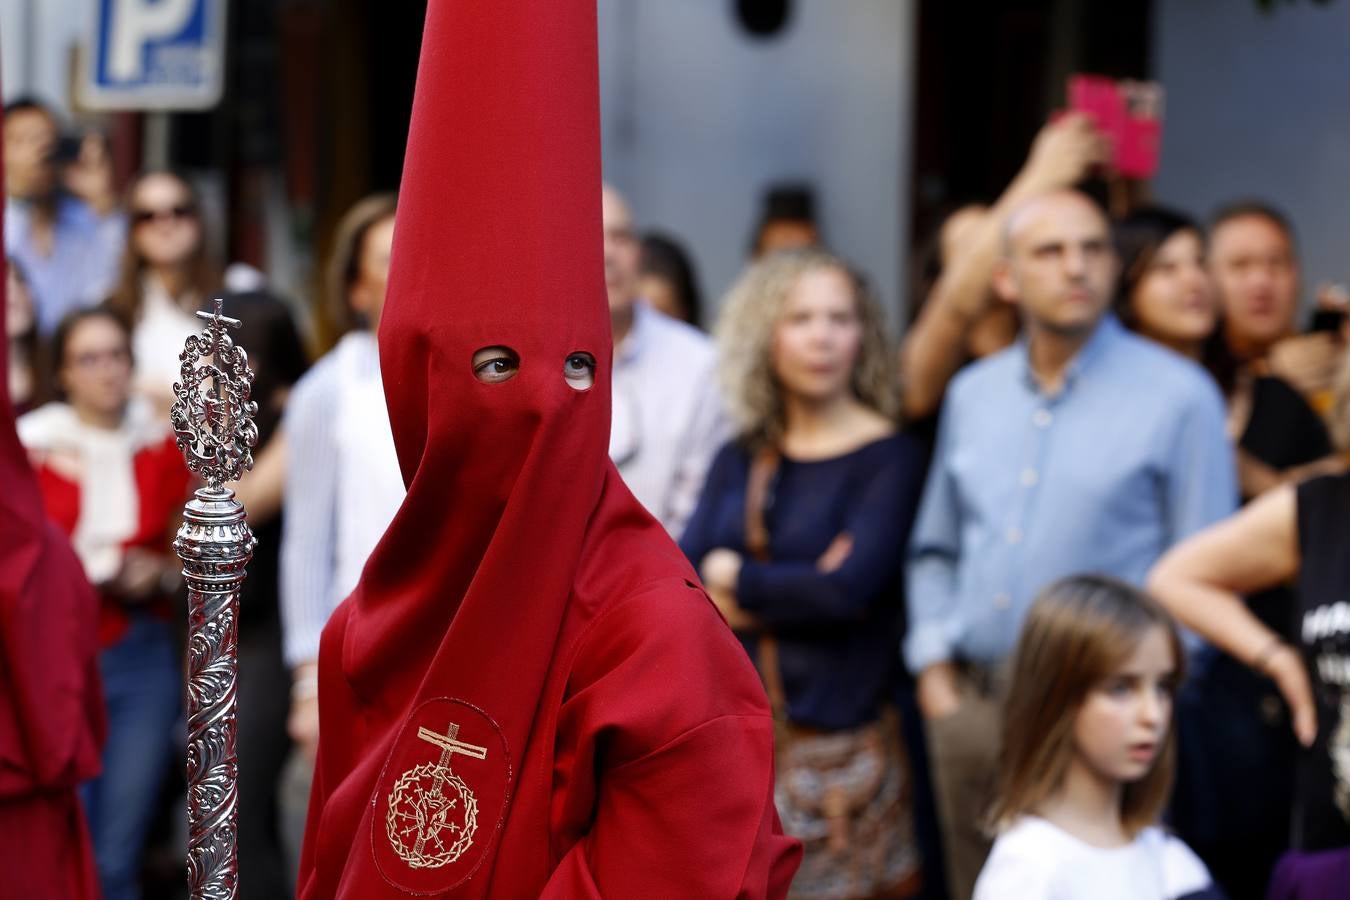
(155, 54)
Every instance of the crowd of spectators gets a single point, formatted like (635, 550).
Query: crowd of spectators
(955, 559)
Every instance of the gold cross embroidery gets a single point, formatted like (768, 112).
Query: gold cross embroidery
(450, 745)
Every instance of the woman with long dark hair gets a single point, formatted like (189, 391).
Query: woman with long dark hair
(1165, 294)
(168, 274)
(339, 502)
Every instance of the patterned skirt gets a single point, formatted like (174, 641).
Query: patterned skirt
(847, 796)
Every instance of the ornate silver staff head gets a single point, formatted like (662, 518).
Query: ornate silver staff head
(213, 422)
(213, 415)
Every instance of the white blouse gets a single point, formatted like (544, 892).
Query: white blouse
(1035, 860)
(156, 341)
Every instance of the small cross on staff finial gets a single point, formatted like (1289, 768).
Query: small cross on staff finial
(216, 317)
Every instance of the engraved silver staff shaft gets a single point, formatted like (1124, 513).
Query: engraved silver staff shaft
(213, 423)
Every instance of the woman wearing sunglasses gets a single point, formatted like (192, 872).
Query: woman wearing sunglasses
(166, 276)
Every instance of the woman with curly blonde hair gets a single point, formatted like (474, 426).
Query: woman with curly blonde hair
(799, 536)
(747, 329)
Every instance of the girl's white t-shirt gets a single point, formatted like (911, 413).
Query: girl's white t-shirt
(1035, 860)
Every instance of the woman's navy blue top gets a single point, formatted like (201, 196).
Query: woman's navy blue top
(838, 633)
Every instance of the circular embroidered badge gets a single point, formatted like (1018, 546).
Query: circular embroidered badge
(440, 798)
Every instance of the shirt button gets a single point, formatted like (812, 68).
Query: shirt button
(1041, 418)
(1002, 601)
(1030, 477)
(1014, 535)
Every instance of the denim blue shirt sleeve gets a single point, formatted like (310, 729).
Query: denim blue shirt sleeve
(1202, 466)
(1127, 458)
(934, 552)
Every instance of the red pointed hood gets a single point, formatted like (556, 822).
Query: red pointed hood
(498, 243)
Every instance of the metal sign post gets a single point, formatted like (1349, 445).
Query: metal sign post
(213, 422)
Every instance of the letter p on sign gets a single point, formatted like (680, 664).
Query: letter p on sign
(154, 54)
(137, 23)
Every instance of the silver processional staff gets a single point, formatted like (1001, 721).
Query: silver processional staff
(213, 423)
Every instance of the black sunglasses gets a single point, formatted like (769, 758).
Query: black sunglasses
(172, 213)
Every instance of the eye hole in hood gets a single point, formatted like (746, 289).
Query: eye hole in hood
(493, 365)
(579, 370)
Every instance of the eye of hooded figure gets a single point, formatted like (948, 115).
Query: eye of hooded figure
(493, 365)
(579, 370)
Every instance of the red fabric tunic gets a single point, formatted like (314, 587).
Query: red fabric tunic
(528, 694)
(52, 721)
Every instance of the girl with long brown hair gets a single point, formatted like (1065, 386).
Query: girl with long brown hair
(1088, 753)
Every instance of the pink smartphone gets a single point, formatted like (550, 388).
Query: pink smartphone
(1129, 113)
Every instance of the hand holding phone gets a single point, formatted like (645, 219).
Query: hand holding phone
(1129, 113)
(1333, 302)
(1065, 151)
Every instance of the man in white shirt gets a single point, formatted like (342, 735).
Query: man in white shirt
(668, 419)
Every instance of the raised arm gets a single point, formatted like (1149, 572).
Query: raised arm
(935, 346)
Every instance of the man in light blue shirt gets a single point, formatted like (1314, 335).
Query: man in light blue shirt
(1082, 448)
(68, 246)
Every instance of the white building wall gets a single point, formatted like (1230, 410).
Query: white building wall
(698, 118)
(37, 40)
(1258, 104)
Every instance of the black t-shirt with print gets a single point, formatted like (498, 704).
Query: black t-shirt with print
(1322, 802)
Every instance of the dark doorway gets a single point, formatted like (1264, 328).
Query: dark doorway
(988, 78)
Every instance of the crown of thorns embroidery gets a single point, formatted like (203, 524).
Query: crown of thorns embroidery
(427, 826)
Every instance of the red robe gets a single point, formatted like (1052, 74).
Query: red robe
(528, 693)
(52, 721)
